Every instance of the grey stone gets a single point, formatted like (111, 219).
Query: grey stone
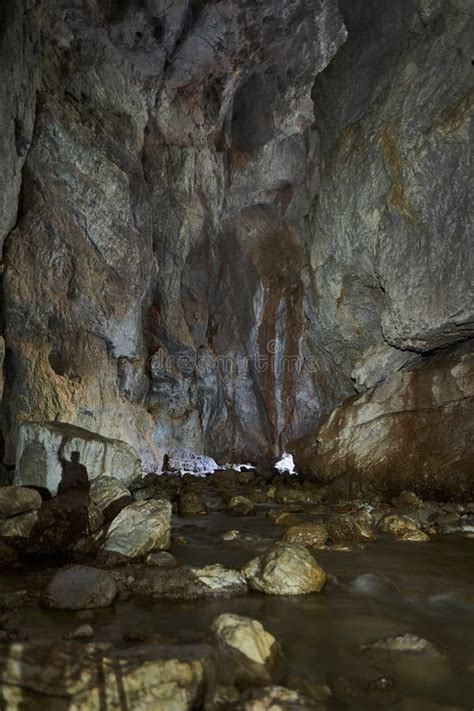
(285, 569)
(138, 529)
(80, 587)
(109, 495)
(18, 499)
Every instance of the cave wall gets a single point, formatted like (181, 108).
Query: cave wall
(232, 214)
(392, 262)
(157, 255)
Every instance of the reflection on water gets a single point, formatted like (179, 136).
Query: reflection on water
(387, 589)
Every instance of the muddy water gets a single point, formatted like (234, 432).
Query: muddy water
(388, 588)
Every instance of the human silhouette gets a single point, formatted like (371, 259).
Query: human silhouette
(74, 476)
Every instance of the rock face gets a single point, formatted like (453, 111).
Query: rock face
(392, 266)
(42, 446)
(173, 151)
(414, 431)
(231, 214)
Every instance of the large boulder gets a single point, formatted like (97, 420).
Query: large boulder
(138, 529)
(57, 526)
(41, 445)
(285, 569)
(17, 500)
(413, 431)
(109, 495)
(80, 587)
(246, 646)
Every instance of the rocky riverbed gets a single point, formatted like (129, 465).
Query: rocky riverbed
(250, 590)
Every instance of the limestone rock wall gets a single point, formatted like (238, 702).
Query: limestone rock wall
(232, 212)
(391, 255)
(158, 251)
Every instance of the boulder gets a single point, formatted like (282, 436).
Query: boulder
(17, 500)
(89, 677)
(18, 529)
(138, 529)
(240, 506)
(62, 522)
(344, 527)
(41, 445)
(246, 646)
(311, 535)
(285, 569)
(80, 587)
(191, 504)
(219, 579)
(185, 460)
(411, 432)
(109, 495)
(397, 525)
(403, 644)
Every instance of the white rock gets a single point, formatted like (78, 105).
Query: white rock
(138, 529)
(39, 447)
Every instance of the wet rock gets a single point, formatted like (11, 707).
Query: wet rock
(88, 677)
(404, 644)
(138, 529)
(80, 587)
(397, 525)
(294, 495)
(285, 569)
(415, 537)
(307, 534)
(230, 536)
(185, 460)
(240, 506)
(39, 445)
(217, 578)
(16, 500)
(222, 697)
(82, 632)
(178, 582)
(18, 529)
(191, 504)
(344, 527)
(62, 522)
(162, 559)
(109, 495)
(286, 519)
(277, 698)
(371, 584)
(246, 646)
(407, 498)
